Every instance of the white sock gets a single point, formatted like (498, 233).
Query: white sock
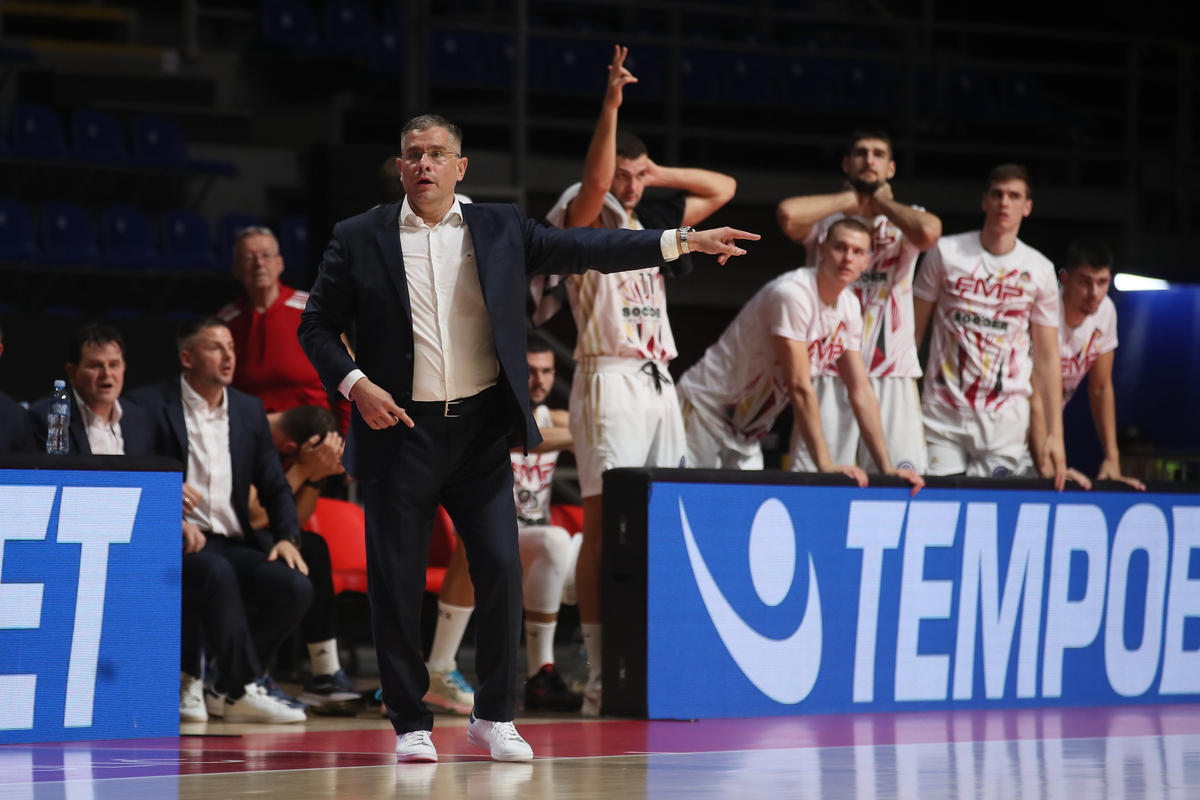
(591, 640)
(539, 645)
(324, 657)
(451, 625)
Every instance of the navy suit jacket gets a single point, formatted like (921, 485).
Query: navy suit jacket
(135, 428)
(15, 434)
(362, 280)
(252, 454)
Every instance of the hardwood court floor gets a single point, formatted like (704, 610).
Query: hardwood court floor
(1131, 752)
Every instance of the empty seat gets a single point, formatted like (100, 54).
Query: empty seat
(16, 232)
(569, 66)
(343, 527)
(649, 65)
(227, 232)
(36, 132)
(288, 23)
(967, 92)
(126, 237)
(97, 136)
(158, 142)
(293, 243)
(1022, 95)
(186, 243)
(470, 57)
(866, 86)
(805, 82)
(67, 235)
(348, 27)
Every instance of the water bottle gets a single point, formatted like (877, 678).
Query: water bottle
(58, 419)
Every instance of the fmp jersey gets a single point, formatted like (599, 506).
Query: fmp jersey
(532, 478)
(739, 377)
(980, 354)
(1080, 347)
(884, 290)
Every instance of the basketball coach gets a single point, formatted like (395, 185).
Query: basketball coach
(437, 290)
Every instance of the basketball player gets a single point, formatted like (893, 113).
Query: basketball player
(899, 233)
(624, 410)
(1087, 341)
(990, 296)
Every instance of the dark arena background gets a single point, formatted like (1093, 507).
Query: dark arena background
(766, 633)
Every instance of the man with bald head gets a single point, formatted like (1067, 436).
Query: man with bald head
(437, 289)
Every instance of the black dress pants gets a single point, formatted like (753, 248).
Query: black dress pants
(463, 464)
(241, 606)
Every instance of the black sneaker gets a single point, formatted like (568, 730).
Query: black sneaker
(546, 691)
(332, 695)
(272, 688)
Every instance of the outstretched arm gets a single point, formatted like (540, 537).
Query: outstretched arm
(797, 215)
(584, 210)
(1104, 414)
(707, 191)
(866, 411)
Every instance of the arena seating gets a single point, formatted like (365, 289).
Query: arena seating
(97, 136)
(126, 238)
(16, 232)
(68, 237)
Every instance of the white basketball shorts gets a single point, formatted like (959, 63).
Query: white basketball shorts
(976, 443)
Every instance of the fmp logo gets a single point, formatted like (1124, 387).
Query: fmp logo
(785, 670)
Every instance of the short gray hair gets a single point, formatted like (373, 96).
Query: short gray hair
(254, 230)
(426, 121)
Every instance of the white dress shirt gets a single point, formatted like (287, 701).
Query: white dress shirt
(452, 333)
(104, 435)
(209, 467)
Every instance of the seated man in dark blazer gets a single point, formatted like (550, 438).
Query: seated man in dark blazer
(100, 424)
(245, 601)
(15, 433)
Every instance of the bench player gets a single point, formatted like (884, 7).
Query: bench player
(899, 233)
(990, 296)
(1087, 341)
(624, 410)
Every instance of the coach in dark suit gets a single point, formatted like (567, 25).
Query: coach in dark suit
(222, 437)
(100, 423)
(437, 291)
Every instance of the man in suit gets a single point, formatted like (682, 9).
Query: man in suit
(101, 424)
(223, 438)
(16, 436)
(437, 291)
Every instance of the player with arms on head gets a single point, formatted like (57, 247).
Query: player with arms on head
(624, 410)
(1087, 341)
(769, 355)
(899, 233)
(990, 295)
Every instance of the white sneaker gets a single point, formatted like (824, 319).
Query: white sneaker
(258, 706)
(501, 738)
(450, 690)
(191, 699)
(415, 746)
(215, 702)
(592, 695)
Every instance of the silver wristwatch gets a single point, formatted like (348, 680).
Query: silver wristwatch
(683, 242)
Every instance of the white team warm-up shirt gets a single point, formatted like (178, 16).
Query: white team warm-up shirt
(623, 314)
(1080, 347)
(884, 291)
(980, 356)
(739, 377)
(533, 475)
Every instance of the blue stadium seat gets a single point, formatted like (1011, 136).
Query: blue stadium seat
(967, 92)
(348, 27)
(871, 86)
(36, 132)
(185, 241)
(158, 142)
(123, 313)
(16, 232)
(386, 55)
(470, 57)
(569, 66)
(288, 23)
(649, 65)
(749, 79)
(1022, 95)
(805, 82)
(67, 235)
(227, 231)
(293, 243)
(701, 73)
(126, 237)
(97, 136)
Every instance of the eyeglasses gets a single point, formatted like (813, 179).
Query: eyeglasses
(251, 258)
(436, 156)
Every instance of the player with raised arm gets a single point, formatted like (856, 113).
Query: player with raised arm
(1087, 342)
(624, 409)
(899, 234)
(782, 339)
(990, 296)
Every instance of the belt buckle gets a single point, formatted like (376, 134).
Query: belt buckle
(450, 403)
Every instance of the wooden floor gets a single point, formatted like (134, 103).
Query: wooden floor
(1133, 752)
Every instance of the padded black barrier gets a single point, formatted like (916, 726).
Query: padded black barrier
(88, 463)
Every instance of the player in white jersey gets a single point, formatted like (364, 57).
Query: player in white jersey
(1087, 342)
(548, 555)
(993, 299)
(624, 409)
(899, 234)
(784, 337)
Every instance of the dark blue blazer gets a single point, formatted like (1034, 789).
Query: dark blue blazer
(252, 454)
(135, 428)
(362, 280)
(15, 434)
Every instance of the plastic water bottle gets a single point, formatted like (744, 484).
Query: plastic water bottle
(58, 420)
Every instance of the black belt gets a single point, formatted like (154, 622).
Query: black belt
(453, 408)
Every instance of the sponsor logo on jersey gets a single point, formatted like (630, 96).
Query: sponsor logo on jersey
(987, 287)
(980, 322)
(645, 312)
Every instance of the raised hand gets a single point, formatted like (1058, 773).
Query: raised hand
(618, 77)
(321, 457)
(719, 242)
